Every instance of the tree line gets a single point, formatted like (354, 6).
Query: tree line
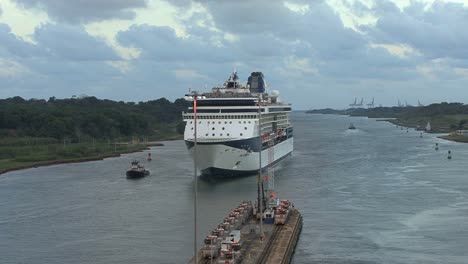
(444, 117)
(432, 110)
(79, 119)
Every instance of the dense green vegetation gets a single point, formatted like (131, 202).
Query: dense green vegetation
(89, 118)
(444, 117)
(38, 132)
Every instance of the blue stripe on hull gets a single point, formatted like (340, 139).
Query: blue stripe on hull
(252, 144)
(219, 173)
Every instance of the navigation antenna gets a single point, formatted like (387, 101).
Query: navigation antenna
(260, 178)
(270, 178)
(195, 180)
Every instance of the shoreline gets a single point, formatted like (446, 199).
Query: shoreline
(398, 122)
(85, 159)
(455, 138)
(65, 161)
(448, 137)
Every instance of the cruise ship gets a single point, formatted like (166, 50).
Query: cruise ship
(234, 124)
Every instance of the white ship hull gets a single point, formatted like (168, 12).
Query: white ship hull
(234, 125)
(221, 160)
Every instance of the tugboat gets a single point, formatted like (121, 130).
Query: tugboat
(351, 126)
(136, 171)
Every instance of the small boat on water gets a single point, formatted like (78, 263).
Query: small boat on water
(351, 126)
(136, 171)
(428, 127)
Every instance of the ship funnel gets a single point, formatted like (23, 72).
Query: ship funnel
(256, 82)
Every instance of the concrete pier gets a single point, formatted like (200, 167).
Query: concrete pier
(284, 241)
(277, 246)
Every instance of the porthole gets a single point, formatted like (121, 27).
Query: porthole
(221, 134)
(223, 128)
(213, 134)
(192, 128)
(225, 122)
(241, 134)
(212, 128)
(208, 122)
(219, 122)
(191, 122)
(249, 122)
(245, 128)
(244, 122)
(228, 134)
(230, 122)
(240, 122)
(206, 134)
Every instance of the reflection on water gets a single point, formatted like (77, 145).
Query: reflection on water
(374, 195)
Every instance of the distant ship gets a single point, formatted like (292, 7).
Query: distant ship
(428, 127)
(351, 126)
(229, 137)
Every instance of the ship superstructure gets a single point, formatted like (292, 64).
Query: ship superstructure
(234, 123)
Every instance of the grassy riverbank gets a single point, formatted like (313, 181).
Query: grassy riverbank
(21, 153)
(38, 132)
(456, 138)
(439, 124)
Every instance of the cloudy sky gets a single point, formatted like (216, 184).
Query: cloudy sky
(317, 53)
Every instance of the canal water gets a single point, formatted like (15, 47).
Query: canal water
(376, 194)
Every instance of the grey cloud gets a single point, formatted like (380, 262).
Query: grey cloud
(319, 36)
(437, 33)
(258, 16)
(75, 11)
(268, 34)
(72, 43)
(63, 61)
(249, 16)
(162, 44)
(61, 42)
(262, 45)
(11, 46)
(270, 28)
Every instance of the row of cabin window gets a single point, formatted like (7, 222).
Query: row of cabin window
(245, 128)
(207, 134)
(225, 122)
(224, 117)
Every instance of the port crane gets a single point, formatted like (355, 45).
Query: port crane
(400, 104)
(371, 104)
(360, 103)
(356, 104)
